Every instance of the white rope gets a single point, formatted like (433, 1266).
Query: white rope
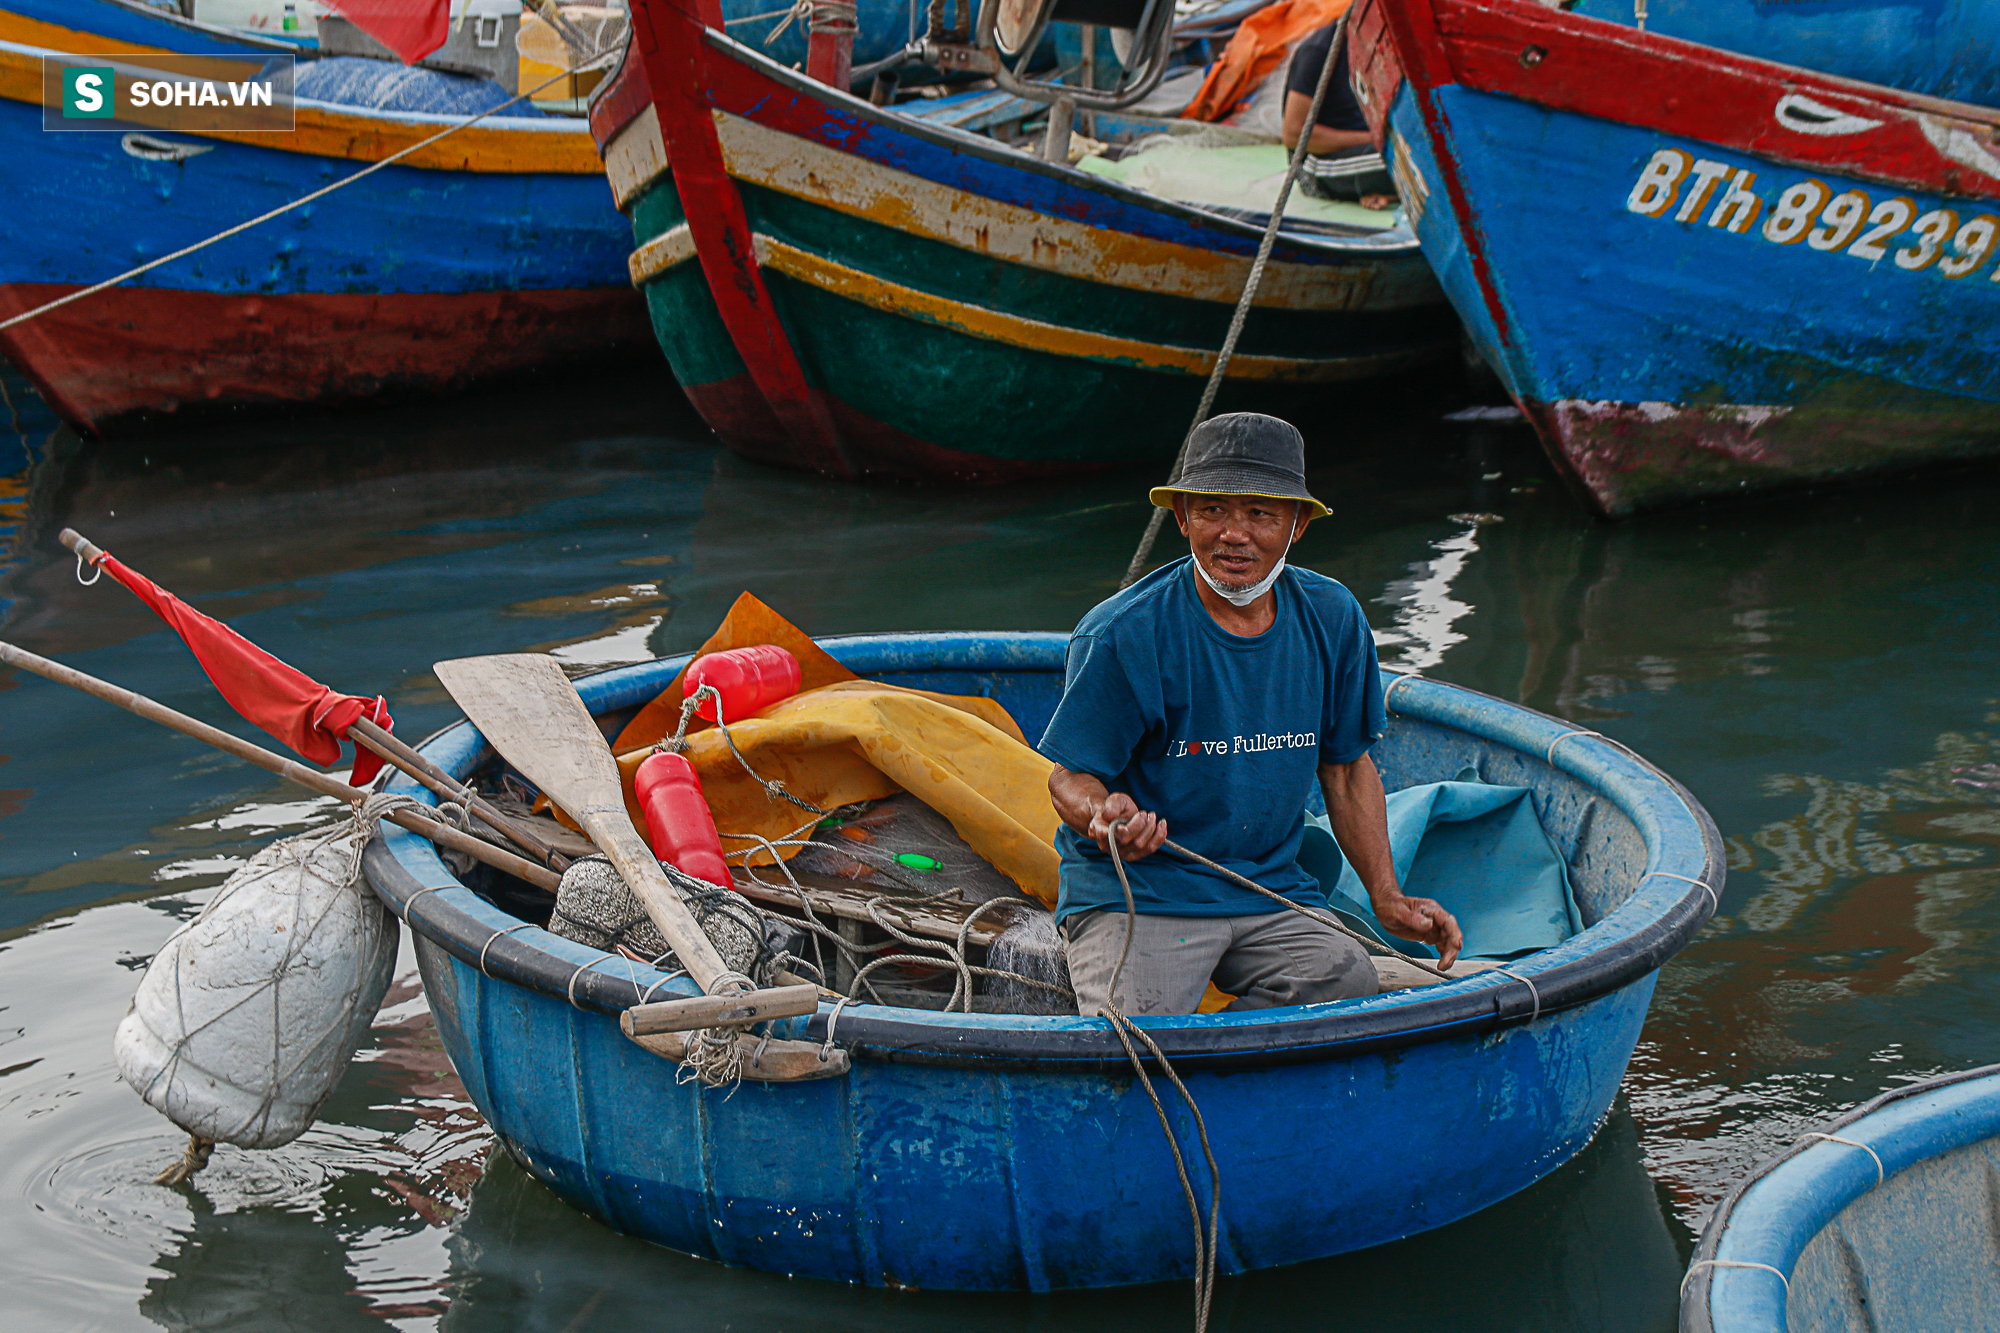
(647, 998)
(1880, 1175)
(1399, 680)
(489, 944)
(410, 903)
(826, 1051)
(97, 569)
(1700, 1264)
(1714, 900)
(1535, 994)
(570, 989)
(1550, 758)
(283, 209)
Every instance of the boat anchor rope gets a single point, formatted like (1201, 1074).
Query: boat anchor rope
(1243, 302)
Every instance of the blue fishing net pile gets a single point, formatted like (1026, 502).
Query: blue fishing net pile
(383, 85)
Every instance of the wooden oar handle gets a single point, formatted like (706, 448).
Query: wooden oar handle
(714, 1011)
(310, 778)
(85, 549)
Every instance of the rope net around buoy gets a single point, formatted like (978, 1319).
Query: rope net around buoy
(249, 1013)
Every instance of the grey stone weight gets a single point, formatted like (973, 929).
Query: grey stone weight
(594, 907)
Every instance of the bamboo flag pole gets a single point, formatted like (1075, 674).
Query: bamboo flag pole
(442, 834)
(367, 735)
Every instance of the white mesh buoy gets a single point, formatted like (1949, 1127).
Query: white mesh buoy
(248, 1015)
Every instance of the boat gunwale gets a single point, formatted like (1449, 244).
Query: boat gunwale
(1663, 45)
(1603, 37)
(1698, 1286)
(1360, 247)
(483, 936)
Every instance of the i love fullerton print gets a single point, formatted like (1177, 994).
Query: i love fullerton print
(1260, 743)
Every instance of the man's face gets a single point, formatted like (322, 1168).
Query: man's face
(1239, 539)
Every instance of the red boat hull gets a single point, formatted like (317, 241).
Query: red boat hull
(128, 359)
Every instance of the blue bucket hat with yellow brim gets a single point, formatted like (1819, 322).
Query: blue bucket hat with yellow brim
(1243, 453)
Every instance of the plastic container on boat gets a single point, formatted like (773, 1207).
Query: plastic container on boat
(748, 679)
(679, 826)
(1881, 1220)
(1001, 1151)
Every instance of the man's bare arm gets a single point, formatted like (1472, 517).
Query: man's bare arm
(1324, 139)
(1086, 805)
(1359, 813)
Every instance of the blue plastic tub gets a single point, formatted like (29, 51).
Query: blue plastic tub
(1888, 1218)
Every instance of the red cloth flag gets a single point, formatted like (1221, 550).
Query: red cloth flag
(411, 28)
(306, 715)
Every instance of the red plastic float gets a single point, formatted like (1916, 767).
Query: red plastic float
(748, 679)
(678, 822)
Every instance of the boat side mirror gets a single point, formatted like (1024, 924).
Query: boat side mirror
(1011, 30)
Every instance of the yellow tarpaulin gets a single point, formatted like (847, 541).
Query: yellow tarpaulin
(851, 740)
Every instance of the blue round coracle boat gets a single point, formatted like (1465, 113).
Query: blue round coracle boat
(1888, 1218)
(1014, 1152)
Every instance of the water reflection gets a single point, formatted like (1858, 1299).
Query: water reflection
(1606, 1259)
(1818, 672)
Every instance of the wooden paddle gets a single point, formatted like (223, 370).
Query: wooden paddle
(526, 707)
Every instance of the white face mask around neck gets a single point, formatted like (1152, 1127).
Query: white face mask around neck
(1244, 597)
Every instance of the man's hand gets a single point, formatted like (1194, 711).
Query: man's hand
(1423, 919)
(1083, 803)
(1142, 834)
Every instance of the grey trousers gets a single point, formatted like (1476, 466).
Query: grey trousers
(1277, 958)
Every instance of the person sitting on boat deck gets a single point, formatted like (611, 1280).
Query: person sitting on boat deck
(1209, 696)
(1341, 161)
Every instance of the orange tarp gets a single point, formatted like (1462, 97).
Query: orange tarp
(1257, 51)
(748, 624)
(842, 740)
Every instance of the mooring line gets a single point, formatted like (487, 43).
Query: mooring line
(1243, 303)
(283, 209)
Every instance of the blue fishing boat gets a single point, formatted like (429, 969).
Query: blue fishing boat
(1009, 1151)
(1881, 1220)
(1698, 274)
(490, 253)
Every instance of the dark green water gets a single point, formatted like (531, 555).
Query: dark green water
(1813, 669)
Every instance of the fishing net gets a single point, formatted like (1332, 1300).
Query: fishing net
(595, 907)
(248, 1015)
(905, 851)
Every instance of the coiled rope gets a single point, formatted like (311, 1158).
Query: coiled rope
(1244, 302)
(951, 954)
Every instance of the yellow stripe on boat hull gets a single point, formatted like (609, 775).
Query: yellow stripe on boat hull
(673, 248)
(637, 156)
(841, 181)
(564, 149)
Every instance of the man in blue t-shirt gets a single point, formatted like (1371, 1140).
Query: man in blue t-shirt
(1210, 695)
